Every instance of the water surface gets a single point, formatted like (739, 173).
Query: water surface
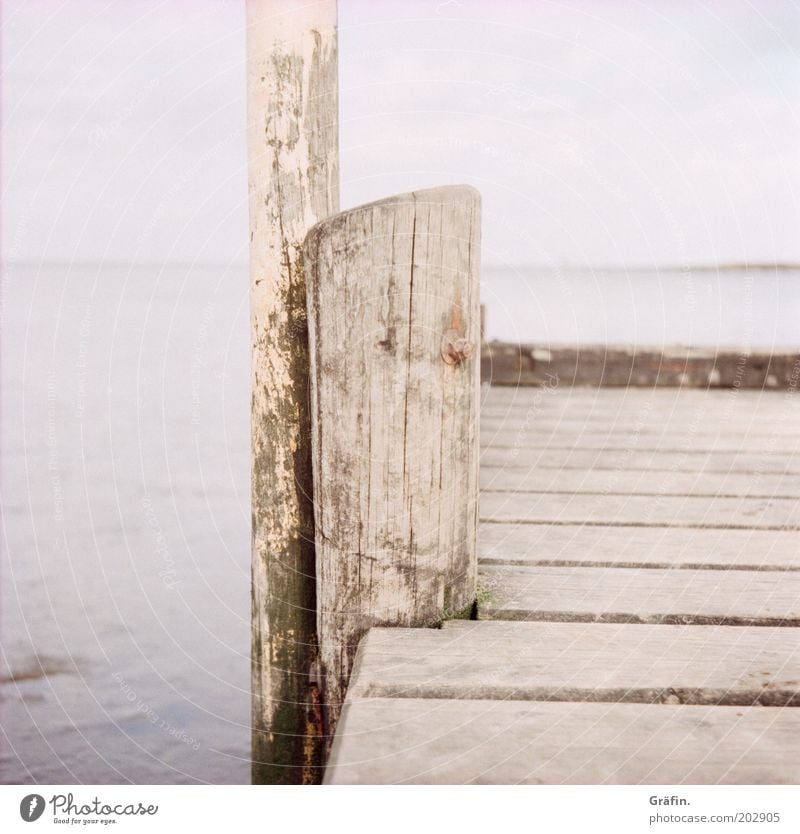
(125, 469)
(125, 593)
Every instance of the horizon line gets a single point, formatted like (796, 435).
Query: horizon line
(601, 267)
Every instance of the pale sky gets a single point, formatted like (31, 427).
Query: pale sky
(617, 133)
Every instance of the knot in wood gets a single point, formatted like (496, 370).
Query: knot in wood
(456, 348)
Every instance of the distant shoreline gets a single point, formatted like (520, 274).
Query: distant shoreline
(115, 262)
(726, 267)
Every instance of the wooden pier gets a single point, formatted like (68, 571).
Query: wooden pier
(639, 603)
(625, 605)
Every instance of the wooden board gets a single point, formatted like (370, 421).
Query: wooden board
(705, 413)
(716, 413)
(632, 595)
(430, 741)
(730, 441)
(641, 510)
(635, 397)
(665, 547)
(681, 459)
(652, 424)
(663, 400)
(582, 662)
(639, 482)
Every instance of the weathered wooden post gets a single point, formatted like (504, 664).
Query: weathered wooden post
(293, 183)
(394, 332)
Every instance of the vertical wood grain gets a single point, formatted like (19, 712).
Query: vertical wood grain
(293, 183)
(394, 333)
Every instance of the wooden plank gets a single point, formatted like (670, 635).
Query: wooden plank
(394, 329)
(582, 662)
(639, 482)
(730, 441)
(608, 404)
(630, 595)
(641, 510)
(673, 406)
(702, 414)
(651, 421)
(665, 547)
(429, 741)
(684, 459)
(704, 418)
(668, 435)
(629, 393)
(293, 183)
(612, 396)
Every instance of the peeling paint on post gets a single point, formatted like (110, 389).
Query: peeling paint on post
(293, 183)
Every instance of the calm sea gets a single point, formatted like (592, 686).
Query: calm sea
(704, 308)
(125, 478)
(125, 593)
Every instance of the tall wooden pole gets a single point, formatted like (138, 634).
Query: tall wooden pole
(293, 183)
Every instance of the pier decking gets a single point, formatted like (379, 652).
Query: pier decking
(639, 606)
